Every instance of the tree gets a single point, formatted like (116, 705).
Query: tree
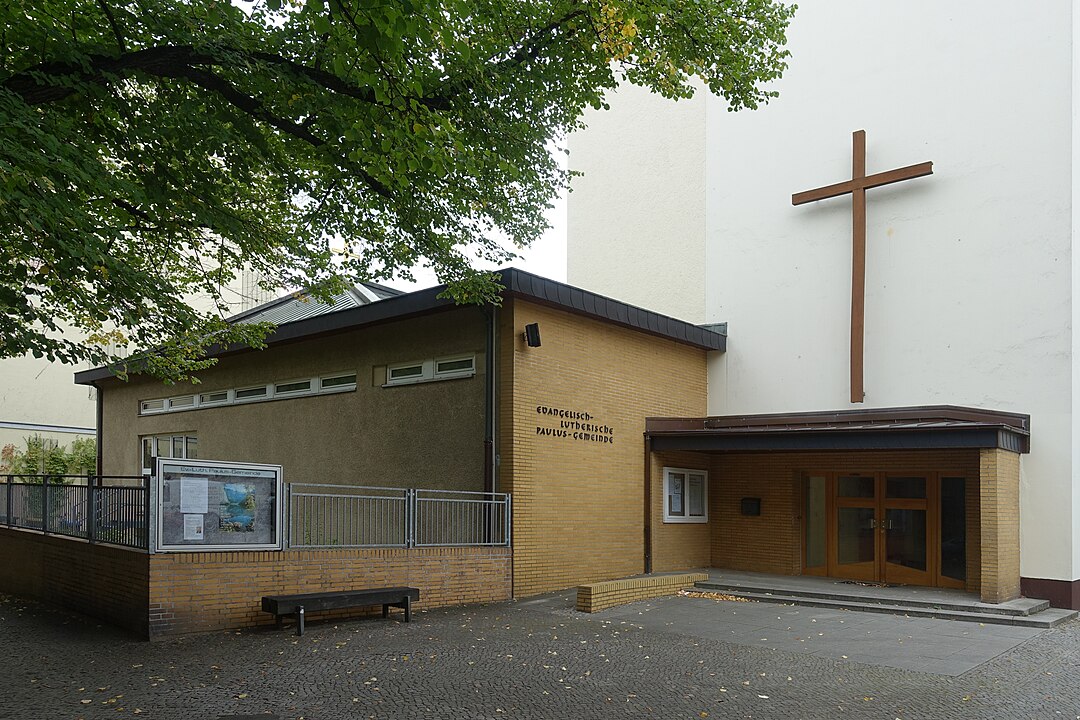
(150, 149)
(42, 456)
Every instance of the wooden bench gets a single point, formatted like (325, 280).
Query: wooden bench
(280, 605)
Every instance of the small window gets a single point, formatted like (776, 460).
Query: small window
(404, 373)
(251, 393)
(214, 398)
(686, 496)
(185, 401)
(338, 382)
(168, 446)
(454, 366)
(151, 406)
(292, 388)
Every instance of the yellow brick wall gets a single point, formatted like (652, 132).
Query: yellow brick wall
(198, 592)
(772, 542)
(678, 546)
(1000, 522)
(599, 596)
(578, 505)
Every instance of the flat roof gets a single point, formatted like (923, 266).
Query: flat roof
(516, 283)
(911, 428)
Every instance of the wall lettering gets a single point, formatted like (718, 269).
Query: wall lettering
(574, 425)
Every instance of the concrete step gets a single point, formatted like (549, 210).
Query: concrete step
(1047, 618)
(1021, 607)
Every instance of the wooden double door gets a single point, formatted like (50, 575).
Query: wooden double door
(898, 528)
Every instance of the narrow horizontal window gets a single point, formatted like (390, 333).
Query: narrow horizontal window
(214, 398)
(183, 401)
(454, 366)
(299, 386)
(251, 393)
(406, 372)
(151, 406)
(338, 382)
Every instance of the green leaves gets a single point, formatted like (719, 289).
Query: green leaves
(156, 150)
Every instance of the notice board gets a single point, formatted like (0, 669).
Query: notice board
(216, 505)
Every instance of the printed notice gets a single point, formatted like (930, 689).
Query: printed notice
(193, 527)
(193, 495)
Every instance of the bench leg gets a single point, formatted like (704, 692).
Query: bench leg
(408, 608)
(385, 610)
(277, 622)
(300, 621)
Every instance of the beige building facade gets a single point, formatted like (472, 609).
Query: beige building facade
(592, 415)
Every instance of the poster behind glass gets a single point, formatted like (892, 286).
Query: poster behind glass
(214, 505)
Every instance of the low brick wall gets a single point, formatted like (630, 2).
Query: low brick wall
(105, 582)
(599, 596)
(198, 592)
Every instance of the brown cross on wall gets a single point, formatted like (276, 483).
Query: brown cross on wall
(857, 186)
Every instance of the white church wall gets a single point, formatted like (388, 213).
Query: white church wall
(971, 279)
(643, 242)
(968, 271)
(1075, 286)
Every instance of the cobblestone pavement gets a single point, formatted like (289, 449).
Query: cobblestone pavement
(509, 660)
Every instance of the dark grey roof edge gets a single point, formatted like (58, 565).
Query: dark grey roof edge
(516, 282)
(583, 302)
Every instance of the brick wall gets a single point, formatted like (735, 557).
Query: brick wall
(104, 582)
(678, 546)
(1000, 521)
(579, 504)
(772, 541)
(599, 596)
(195, 592)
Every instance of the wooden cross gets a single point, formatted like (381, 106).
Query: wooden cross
(857, 186)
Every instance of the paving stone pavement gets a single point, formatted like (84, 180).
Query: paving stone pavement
(530, 659)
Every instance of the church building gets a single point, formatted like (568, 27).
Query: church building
(892, 245)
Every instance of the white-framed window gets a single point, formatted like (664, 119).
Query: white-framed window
(282, 390)
(337, 383)
(455, 366)
(177, 445)
(148, 407)
(219, 397)
(183, 401)
(257, 392)
(408, 372)
(440, 368)
(686, 495)
(293, 387)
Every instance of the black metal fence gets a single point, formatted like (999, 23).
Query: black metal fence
(113, 509)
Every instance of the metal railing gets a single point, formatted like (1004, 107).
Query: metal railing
(328, 516)
(450, 517)
(103, 509)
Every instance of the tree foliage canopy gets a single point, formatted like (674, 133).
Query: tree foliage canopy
(151, 149)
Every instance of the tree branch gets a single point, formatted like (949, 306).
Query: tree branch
(112, 23)
(180, 62)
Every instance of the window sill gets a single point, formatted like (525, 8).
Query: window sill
(421, 381)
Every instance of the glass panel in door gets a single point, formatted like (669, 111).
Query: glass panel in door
(816, 521)
(953, 530)
(855, 486)
(855, 542)
(905, 546)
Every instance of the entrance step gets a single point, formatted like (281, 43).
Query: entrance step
(1023, 612)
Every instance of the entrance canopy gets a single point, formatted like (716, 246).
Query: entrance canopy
(908, 428)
